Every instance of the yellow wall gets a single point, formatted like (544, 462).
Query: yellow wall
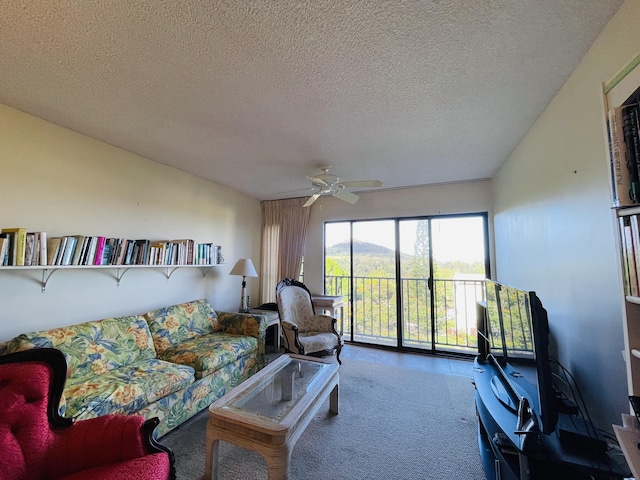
(55, 180)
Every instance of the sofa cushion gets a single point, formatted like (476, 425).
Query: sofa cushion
(173, 325)
(124, 390)
(94, 347)
(209, 353)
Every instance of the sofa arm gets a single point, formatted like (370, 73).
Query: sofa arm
(103, 440)
(253, 325)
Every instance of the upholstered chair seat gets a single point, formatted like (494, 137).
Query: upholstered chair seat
(37, 443)
(304, 331)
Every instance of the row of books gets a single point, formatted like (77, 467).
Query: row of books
(19, 247)
(630, 239)
(624, 150)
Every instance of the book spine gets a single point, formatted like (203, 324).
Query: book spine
(625, 192)
(60, 252)
(97, 258)
(69, 250)
(77, 252)
(18, 245)
(6, 260)
(631, 258)
(42, 243)
(4, 245)
(29, 248)
(91, 251)
(632, 147)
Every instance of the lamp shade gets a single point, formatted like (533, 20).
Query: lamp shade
(244, 267)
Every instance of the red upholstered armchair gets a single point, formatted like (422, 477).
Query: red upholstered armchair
(37, 443)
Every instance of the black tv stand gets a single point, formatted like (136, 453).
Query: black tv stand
(513, 448)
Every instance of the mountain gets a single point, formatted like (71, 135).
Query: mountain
(359, 248)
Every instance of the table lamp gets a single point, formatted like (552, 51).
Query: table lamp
(244, 267)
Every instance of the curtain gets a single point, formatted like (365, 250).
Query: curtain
(284, 229)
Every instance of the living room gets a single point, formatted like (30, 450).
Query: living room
(552, 230)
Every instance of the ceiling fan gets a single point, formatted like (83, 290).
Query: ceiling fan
(326, 183)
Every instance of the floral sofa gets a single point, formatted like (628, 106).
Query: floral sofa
(169, 363)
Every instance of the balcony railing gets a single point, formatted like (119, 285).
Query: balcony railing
(443, 318)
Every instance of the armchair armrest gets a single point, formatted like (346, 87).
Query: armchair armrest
(325, 323)
(104, 440)
(286, 324)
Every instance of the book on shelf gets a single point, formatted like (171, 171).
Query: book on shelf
(90, 253)
(631, 132)
(106, 254)
(42, 247)
(97, 256)
(5, 260)
(129, 252)
(53, 245)
(630, 258)
(158, 252)
(77, 251)
(140, 255)
(60, 252)
(121, 253)
(19, 247)
(624, 173)
(70, 244)
(29, 252)
(18, 240)
(4, 249)
(186, 256)
(113, 244)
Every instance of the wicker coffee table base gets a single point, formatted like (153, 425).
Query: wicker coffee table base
(273, 441)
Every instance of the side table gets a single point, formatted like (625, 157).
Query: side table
(274, 321)
(332, 304)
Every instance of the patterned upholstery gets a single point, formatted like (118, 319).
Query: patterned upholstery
(170, 363)
(304, 331)
(37, 443)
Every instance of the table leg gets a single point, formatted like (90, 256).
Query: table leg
(278, 463)
(333, 400)
(211, 460)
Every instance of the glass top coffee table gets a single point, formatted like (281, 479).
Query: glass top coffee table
(268, 412)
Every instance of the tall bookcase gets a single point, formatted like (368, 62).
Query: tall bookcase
(624, 89)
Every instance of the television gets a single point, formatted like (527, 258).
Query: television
(515, 329)
(533, 422)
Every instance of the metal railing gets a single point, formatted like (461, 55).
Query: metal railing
(442, 318)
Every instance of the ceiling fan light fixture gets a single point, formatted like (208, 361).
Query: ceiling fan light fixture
(326, 183)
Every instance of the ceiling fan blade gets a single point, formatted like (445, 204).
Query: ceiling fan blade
(318, 181)
(363, 183)
(346, 196)
(312, 199)
(291, 191)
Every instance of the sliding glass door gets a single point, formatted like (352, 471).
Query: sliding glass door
(410, 283)
(374, 289)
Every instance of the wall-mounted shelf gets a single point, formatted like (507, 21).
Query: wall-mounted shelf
(120, 270)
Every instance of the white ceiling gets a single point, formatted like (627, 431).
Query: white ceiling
(255, 94)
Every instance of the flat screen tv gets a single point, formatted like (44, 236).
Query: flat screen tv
(515, 328)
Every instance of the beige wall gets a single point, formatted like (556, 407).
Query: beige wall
(468, 197)
(64, 183)
(554, 230)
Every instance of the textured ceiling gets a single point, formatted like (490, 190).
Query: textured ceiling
(255, 94)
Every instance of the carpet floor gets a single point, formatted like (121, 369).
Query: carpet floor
(394, 423)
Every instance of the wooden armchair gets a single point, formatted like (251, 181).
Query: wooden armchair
(304, 331)
(38, 443)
